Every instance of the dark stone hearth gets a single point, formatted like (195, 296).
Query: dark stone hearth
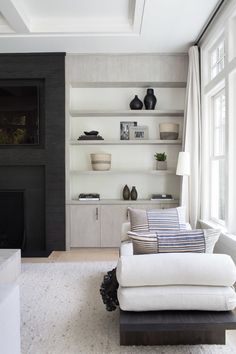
(39, 170)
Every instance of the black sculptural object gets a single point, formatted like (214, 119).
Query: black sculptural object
(108, 290)
(150, 99)
(136, 103)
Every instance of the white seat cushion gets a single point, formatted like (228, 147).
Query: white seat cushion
(156, 298)
(176, 269)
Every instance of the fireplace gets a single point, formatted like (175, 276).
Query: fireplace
(12, 223)
(32, 151)
(22, 209)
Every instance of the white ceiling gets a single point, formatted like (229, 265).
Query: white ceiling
(101, 26)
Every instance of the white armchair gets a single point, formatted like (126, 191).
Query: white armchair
(177, 281)
(158, 294)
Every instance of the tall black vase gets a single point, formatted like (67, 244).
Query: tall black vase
(134, 193)
(126, 193)
(136, 103)
(150, 99)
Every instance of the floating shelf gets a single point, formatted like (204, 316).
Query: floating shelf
(125, 142)
(152, 172)
(122, 84)
(121, 201)
(127, 113)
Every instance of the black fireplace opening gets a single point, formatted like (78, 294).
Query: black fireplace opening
(12, 221)
(22, 210)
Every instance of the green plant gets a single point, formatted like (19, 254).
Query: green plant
(160, 156)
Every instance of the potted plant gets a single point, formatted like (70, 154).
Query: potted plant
(161, 161)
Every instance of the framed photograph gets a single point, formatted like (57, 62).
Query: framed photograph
(138, 133)
(125, 129)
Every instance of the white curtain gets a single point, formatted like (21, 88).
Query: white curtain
(192, 139)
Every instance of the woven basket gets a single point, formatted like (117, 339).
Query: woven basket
(101, 162)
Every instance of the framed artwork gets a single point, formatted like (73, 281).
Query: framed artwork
(139, 133)
(125, 129)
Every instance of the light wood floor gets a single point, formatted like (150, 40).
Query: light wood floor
(78, 255)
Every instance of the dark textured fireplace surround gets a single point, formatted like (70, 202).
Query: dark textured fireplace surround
(33, 177)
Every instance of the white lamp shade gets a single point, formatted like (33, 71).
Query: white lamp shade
(183, 165)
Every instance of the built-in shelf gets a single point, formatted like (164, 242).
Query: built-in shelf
(121, 201)
(152, 172)
(129, 84)
(127, 113)
(125, 142)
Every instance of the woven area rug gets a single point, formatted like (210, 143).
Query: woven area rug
(62, 313)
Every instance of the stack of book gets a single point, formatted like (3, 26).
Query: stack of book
(89, 196)
(162, 197)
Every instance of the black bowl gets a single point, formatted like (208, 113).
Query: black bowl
(92, 132)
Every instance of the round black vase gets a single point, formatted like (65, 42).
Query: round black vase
(150, 99)
(134, 193)
(126, 193)
(136, 103)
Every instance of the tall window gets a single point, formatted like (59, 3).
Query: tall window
(218, 87)
(217, 168)
(217, 59)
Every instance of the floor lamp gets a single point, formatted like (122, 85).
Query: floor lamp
(183, 169)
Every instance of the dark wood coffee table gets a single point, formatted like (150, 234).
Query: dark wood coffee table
(175, 327)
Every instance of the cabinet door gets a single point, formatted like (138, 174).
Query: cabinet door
(112, 218)
(85, 226)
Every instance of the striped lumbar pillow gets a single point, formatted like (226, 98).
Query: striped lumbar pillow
(157, 219)
(202, 241)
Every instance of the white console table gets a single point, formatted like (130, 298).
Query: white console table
(10, 267)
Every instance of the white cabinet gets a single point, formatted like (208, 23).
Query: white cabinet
(85, 226)
(99, 225)
(112, 217)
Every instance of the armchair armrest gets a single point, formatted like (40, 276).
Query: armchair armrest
(124, 229)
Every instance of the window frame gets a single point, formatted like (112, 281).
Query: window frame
(212, 157)
(220, 39)
(223, 28)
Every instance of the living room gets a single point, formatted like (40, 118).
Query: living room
(117, 176)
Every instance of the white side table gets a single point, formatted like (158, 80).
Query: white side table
(10, 265)
(10, 268)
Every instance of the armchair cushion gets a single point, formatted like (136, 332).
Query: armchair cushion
(176, 269)
(158, 298)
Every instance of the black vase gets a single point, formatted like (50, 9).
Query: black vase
(134, 193)
(150, 99)
(126, 193)
(136, 103)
